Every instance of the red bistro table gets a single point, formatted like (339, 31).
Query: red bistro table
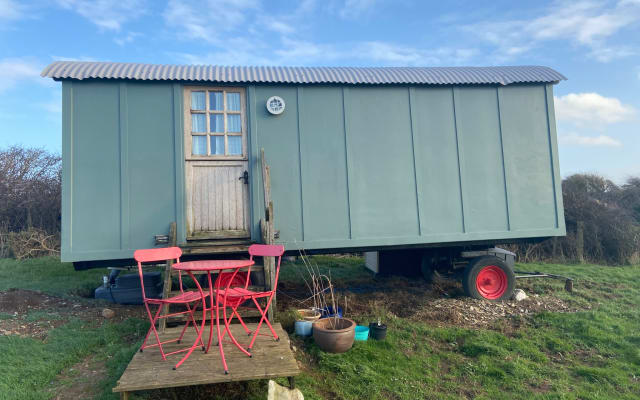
(209, 266)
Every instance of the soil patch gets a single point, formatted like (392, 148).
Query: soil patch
(33, 314)
(80, 381)
(441, 303)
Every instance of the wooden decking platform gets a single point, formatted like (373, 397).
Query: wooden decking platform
(270, 359)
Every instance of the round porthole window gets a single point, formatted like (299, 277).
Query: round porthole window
(275, 105)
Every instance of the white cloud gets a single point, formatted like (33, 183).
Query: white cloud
(394, 54)
(600, 140)
(350, 9)
(128, 38)
(208, 20)
(82, 58)
(583, 23)
(106, 14)
(591, 108)
(16, 70)
(302, 52)
(246, 33)
(10, 10)
(278, 26)
(223, 57)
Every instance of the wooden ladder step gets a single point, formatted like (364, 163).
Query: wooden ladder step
(218, 242)
(215, 249)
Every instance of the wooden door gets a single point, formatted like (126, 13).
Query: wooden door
(216, 160)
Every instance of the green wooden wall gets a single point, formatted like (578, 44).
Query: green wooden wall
(378, 166)
(351, 166)
(122, 181)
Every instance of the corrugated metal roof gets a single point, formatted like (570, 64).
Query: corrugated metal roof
(303, 75)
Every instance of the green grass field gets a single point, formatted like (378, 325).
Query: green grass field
(590, 354)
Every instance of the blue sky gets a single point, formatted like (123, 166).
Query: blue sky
(596, 44)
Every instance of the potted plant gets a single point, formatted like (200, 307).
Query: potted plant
(331, 333)
(377, 330)
(304, 321)
(334, 335)
(309, 314)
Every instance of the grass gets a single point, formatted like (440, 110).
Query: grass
(49, 275)
(591, 354)
(31, 367)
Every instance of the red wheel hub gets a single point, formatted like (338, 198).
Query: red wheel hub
(491, 282)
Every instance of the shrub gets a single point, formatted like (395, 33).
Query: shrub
(610, 219)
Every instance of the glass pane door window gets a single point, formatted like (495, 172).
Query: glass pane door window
(217, 122)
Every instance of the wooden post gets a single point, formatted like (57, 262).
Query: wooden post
(166, 289)
(268, 232)
(580, 241)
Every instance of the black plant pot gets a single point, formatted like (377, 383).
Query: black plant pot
(377, 332)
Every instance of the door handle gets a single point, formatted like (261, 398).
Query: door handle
(245, 177)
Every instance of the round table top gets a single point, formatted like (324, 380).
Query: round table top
(212, 265)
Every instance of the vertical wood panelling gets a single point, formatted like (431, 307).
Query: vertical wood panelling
(324, 184)
(417, 176)
(96, 167)
(351, 166)
(555, 164)
(124, 169)
(436, 160)
(481, 159)
(150, 159)
(458, 158)
(382, 183)
(527, 157)
(219, 197)
(66, 235)
(255, 178)
(278, 135)
(504, 170)
(345, 101)
(302, 184)
(178, 162)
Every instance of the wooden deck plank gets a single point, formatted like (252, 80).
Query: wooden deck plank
(270, 359)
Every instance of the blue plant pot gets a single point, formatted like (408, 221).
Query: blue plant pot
(362, 332)
(303, 328)
(328, 312)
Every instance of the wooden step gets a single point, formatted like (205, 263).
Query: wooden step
(218, 242)
(215, 249)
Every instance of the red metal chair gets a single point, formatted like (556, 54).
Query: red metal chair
(238, 295)
(185, 297)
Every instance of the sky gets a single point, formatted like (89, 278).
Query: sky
(596, 44)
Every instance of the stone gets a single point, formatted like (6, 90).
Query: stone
(108, 313)
(279, 392)
(519, 295)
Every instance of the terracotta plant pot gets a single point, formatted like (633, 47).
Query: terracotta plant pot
(309, 315)
(336, 340)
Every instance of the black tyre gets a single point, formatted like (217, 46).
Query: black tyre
(488, 278)
(428, 267)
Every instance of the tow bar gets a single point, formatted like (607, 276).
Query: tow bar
(568, 282)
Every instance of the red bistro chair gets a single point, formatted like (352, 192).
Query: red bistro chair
(185, 297)
(238, 295)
